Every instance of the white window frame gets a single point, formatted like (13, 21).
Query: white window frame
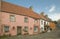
(12, 18)
(6, 28)
(35, 29)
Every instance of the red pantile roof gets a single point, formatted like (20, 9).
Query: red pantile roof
(42, 17)
(8, 7)
(12, 8)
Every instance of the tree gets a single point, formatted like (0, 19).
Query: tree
(55, 22)
(58, 21)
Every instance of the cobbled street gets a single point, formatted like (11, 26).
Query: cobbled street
(49, 35)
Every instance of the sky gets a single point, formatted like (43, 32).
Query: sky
(50, 7)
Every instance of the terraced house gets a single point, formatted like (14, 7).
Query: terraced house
(20, 20)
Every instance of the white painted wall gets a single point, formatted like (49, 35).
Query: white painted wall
(41, 25)
(47, 23)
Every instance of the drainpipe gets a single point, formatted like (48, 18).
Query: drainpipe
(0, 15)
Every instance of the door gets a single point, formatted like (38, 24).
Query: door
(19, 30)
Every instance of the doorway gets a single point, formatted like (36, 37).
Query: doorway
(19, 30)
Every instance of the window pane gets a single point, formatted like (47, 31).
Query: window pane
(12, 18)
(6, 28)
(42, 22)
(35, 20)
(35, 29)
(25, 19)
(26, 29)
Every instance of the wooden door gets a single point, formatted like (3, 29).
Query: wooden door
(19, 30)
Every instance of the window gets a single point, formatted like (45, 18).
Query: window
(42, 28)
(12, 18)
(36, 21)
(48, 23)
(26, 29)
(26, 19)
(42, 22)
(35, 29)
(45, 23)
(6, 28)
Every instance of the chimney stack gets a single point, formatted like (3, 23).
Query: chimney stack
(31, 7)
(42, 13)
(46, 16)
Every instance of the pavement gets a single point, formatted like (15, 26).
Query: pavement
(55, 34)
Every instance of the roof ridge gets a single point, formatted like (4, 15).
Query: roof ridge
(17, 9)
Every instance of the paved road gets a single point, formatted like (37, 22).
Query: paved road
(49, 35)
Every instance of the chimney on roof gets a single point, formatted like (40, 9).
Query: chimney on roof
(31, 7)
(42, 13)
(46, 16)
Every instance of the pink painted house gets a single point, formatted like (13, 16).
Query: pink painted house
(18, 20)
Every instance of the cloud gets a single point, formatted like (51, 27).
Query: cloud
(55, 16)
(52, 8)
